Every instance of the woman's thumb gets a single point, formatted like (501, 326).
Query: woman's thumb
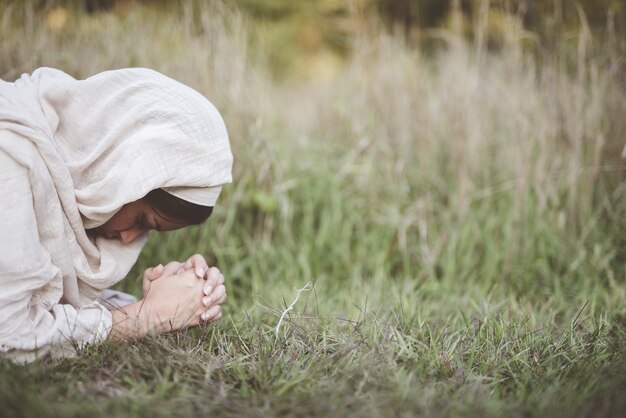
(156, 272)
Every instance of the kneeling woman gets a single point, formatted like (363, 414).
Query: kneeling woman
(87, 168)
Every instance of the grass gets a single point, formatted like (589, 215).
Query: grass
(460, 214)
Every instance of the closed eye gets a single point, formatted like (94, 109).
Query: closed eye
(141, 222)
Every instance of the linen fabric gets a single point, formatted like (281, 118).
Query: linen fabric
(72, 153)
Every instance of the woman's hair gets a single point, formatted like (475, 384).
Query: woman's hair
(177, 209)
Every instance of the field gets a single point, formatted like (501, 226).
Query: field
(459, 213)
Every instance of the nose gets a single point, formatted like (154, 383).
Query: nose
(130, 235)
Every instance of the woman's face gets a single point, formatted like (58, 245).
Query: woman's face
(133, 221)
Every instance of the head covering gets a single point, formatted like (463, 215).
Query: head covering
(133, 131)
(110, 139)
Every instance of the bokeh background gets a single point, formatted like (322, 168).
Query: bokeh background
(447, 174)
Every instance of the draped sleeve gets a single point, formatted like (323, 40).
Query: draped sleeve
(33, 319)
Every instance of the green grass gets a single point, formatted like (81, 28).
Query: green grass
(460, 215)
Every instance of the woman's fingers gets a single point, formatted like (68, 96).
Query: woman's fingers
(171, 268)
(218, 296)
(211, 313)
(219, 301)
(153, 273)
(156, 272)
(215, 295)
(214, 279)
(198, 264)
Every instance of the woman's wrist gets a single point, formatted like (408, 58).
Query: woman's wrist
(130, 322)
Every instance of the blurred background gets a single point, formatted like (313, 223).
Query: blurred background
(396, 150)
(312, 38)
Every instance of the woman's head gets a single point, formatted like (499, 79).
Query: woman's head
(157, 210)
(109, 140)
(124, 133)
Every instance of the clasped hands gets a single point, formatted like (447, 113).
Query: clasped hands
(175, 296)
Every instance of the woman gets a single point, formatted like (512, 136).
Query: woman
(87, 168)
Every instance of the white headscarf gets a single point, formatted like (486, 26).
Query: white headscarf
(109, 140)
